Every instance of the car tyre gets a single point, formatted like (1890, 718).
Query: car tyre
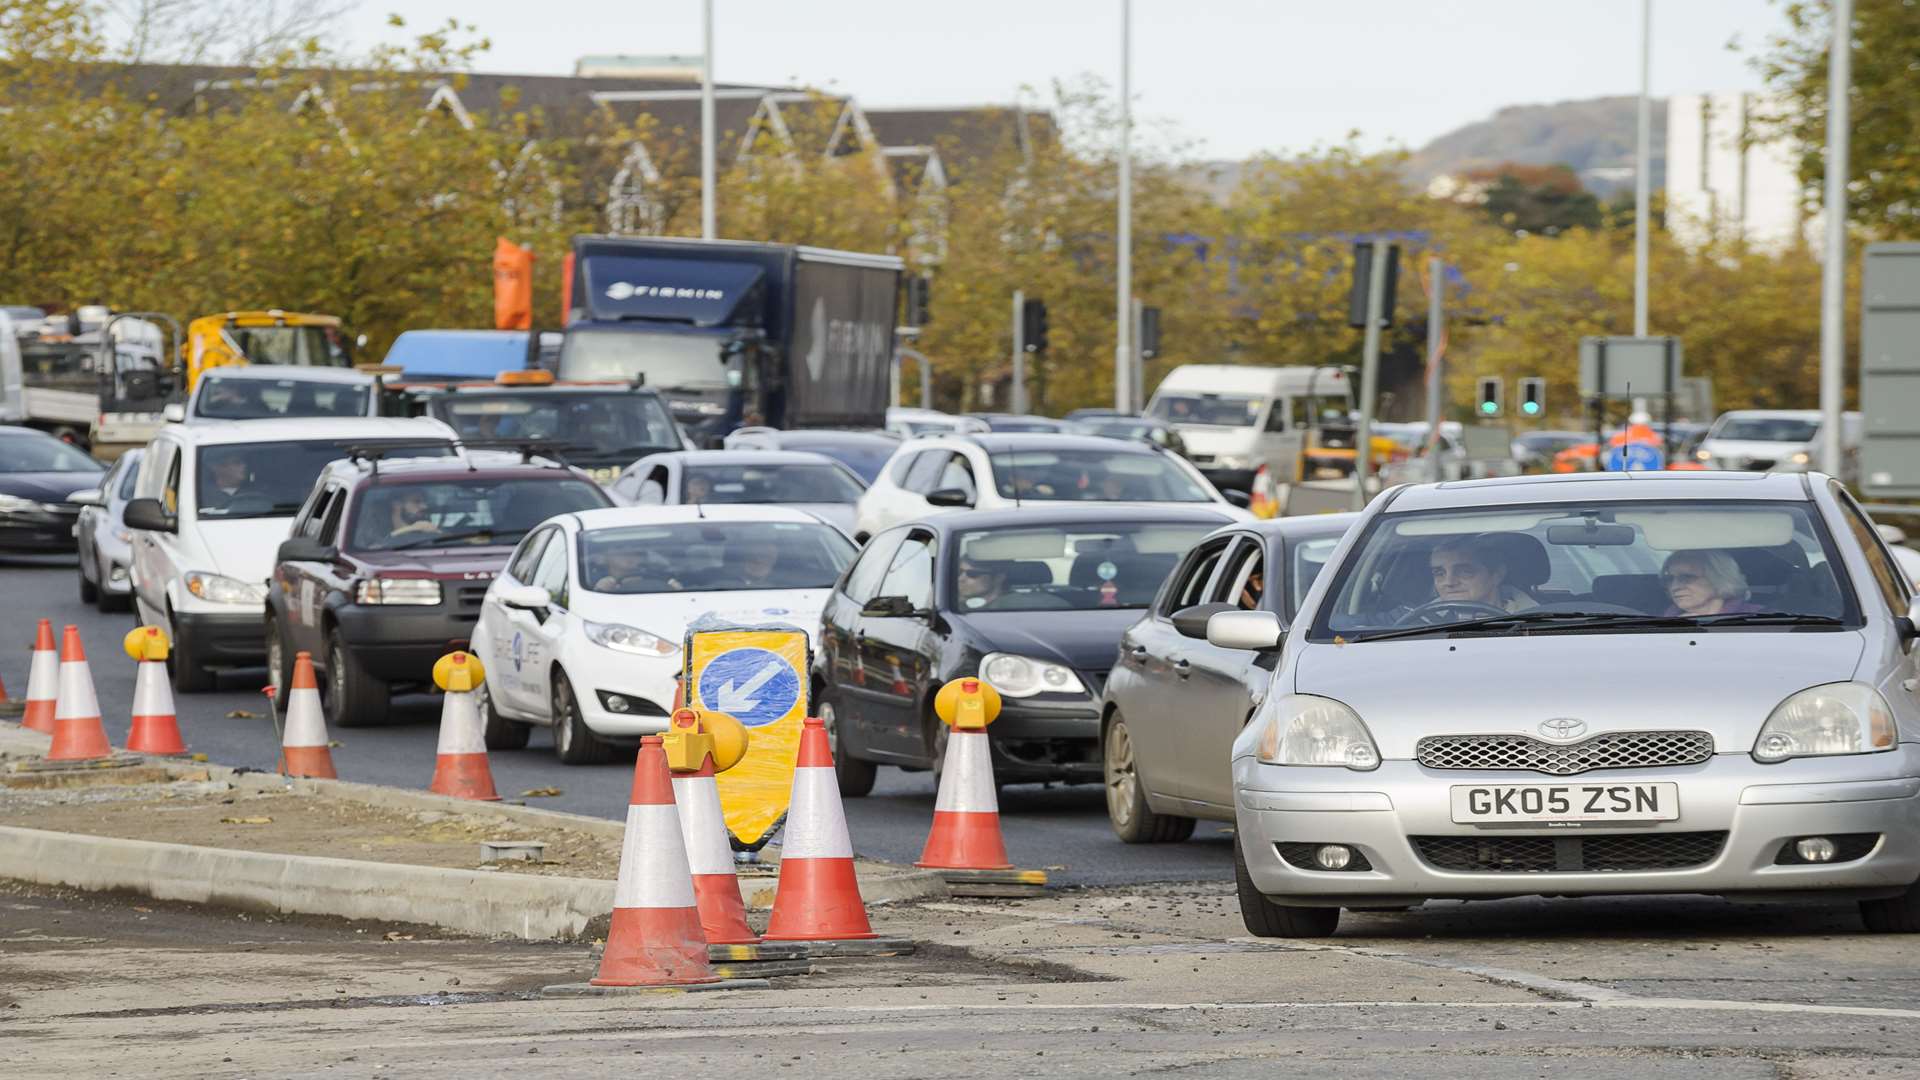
(854, 776)
(190, 675)
(89, 591)
(1264, 918)
(113, 603)
(1133, 821)
(279, 663)
(500, 733)
(355, 698)
(1894, 915)
(573, 741)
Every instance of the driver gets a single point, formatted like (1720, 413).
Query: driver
(408, 515)
(981, 583)
(754, 562)
(618, 567)
(230, 475)
(1468, 570)
(696, 488)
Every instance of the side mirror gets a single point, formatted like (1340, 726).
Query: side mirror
(1909, 625)
(1192, 622)
(1257, 631)
(150, 515)
(305, 549)
(174, 413)
(949, 497)
(88, 497)
(527, 598)
(1892, 534)
(1237, 497)
(889, 607)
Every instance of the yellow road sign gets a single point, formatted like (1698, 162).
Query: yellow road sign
(758, 677)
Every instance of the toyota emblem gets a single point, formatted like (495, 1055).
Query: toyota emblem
(1563, 728)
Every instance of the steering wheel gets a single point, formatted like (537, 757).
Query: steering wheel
(1440, 612)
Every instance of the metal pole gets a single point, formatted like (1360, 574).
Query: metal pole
(1642, 177)
(707, 230)
(1369, 374)
(1123, 388)
(1017, 393)
(1436, 333)
(1833, 342)
(1137, 364)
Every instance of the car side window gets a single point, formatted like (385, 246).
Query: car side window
(910, 571)
(1244, 583)
(958, 475)
(127, 478)
(330, 522)
(903, 464)
(653, 490)
(307, 522)
(1886, 576)
(927, 469)
(153, 469)
(1277, 415)
(1190, 584)
(522, 565)
(170, 487)
(551, 574)
(1306, 558)
(863, 578)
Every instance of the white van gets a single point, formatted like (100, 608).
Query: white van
(213, 502)
(1235, 418)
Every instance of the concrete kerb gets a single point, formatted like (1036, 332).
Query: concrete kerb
(20, 742)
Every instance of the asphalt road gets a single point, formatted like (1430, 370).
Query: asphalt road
(1063, 829)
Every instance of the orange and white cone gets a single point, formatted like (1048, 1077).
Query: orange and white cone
(304, 743)
(461, 768)
(43, 680)
(156, 730)
(966, 813)
(709, 856)
(818, 897)
(78, 734)
(655, 938)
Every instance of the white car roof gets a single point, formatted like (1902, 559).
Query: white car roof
(229, 432)
(1601, 487)
(616, 517)
(1251, 379)
(290, 371)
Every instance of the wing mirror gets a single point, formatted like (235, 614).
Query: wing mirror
(150, 515)
(174, 413)
(1909, 625)
(305, 549)
(889, 607)
(949, 497)
(88, 497)
(1256, 631)
(1237, 497)
(1192, 621)
(527, 598)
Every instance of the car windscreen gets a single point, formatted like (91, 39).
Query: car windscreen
(1219, 410)
(43, 454)
(1594, 568)
(1094, 476)
(264, 399)
(272, 479)
(866, 457)
(628, 423)
(788, 484)
(1787, 429)
(713, 556)
(1068, 567)
(305, 346)
(1016, 425)
(668, 361)
(394, 515)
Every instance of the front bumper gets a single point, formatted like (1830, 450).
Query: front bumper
(1759, 808)
(646, 682)
(223, 639)
(38, 532)
(1036, 740)
(398, 643)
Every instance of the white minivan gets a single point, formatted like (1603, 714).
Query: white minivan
(1234, 418)
(213, 502)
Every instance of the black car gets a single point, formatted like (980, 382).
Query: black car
(1174, 703)
(38, 473)
(1032, 600)
(599, 427)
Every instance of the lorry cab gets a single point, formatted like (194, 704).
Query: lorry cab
(1235, 418)
(265, 337)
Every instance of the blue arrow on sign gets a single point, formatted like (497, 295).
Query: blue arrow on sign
(1636, 457)
(753, 686)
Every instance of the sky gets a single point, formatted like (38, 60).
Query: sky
(1238, 76)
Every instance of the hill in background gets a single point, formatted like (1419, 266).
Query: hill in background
(1595, 138)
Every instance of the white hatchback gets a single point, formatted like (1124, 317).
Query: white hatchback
(582, 631)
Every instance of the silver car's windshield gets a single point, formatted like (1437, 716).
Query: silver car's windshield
(1598, 568)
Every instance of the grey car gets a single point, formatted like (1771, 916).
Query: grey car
(1174, 703)
(1583, 685)
(106, 547)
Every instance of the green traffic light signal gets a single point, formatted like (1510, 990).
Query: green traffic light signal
(1531, 408)
(1489, 407)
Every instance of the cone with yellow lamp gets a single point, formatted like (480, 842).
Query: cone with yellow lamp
(965, 845)
(460, 768)
(156, 730)
(701, 744)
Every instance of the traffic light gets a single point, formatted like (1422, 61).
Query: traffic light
(1149, 332)
(1362, 270)
(1033, 323)
(1492, 397)
(919, 295)
(1533, 396)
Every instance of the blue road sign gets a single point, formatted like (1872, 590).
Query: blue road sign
(754, 686)
(1636, 457)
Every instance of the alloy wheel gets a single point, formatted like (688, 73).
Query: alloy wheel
(1123, 784)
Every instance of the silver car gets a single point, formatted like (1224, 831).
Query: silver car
(1581, 685)
(106, 547)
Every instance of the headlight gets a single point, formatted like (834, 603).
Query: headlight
(1233, 461)
(1837, 718)
(1023, 676)
(1306, 730)
(220, 589)
(1702, 455)
(14, 504)
(1801, 458)
(628, 639)
(421, 592)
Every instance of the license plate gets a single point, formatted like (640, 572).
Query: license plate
(1483, 804)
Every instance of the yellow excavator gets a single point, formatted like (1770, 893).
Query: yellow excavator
(265, 337)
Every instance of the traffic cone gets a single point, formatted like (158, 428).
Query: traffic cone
(78, 734)
(818, 897)
(966, 813)
(709, 855)
(156, 730)
(304, 743)
(43, 680)
(461, 768)
(9, 706)
(655, 938)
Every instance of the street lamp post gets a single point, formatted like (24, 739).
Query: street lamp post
(1642, 178)
(707, 230)
(1833, 280)
(1124, 391)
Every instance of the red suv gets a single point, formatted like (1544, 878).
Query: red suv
(387, 563)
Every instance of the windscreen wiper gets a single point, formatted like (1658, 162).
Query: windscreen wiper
(1766, 618)
(430, 539)
(1554, 620)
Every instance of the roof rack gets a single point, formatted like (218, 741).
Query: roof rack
(372, 453)
(556, 449)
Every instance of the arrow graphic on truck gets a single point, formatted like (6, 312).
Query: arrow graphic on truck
(732, 699)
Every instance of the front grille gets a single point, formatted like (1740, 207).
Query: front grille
(1611, 750)
(1570, 854)
(470, 597)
